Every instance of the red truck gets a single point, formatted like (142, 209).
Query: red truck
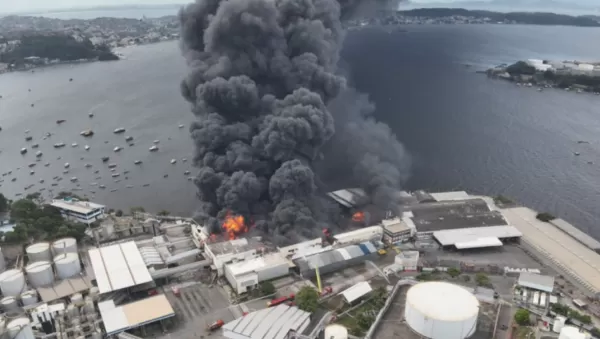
(281, 300)
(216, 325)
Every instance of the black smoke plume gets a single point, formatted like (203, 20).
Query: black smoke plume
(263, 73)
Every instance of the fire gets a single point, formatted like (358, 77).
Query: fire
(234, 225)
(358, 217)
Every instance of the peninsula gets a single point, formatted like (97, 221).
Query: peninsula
(27, 42)
(569, 75)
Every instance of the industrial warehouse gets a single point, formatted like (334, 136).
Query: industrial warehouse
(172, 276)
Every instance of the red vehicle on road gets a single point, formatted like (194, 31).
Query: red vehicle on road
(281, 300)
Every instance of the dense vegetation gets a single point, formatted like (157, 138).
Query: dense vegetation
(40, 222)
(532, 18)
(3, 203)
(61, 47)
(545, 217)
(571, 313)
(520, 68)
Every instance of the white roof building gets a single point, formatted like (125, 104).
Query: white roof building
(118, 266)
(227, 252)
(357, 291)
(536, 281)
(83, 211)
(270, 323)
(246, 275)
(450, 196)
(476, 237)
(117, 319)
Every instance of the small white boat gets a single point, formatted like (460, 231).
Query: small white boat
(184, 159)
(119, 130)
(74, 144)
(93, 183)
(137, 162)
(128, 138)
(181, 126)
(114, 175)
(87, 147)
(129, 186)
(88, 165)
(66, 171)
(112, 165)
(173, 161)
(67, 165)
(32, 172)
(38, 154)
(153, 149)
(35, 145)
(87, 133)
(47, 164)
(23, 150)
(186, 173)
(59, 145)
(156, 141)
(91, 115)
(26, 131)
(117, 149)
(73, 179)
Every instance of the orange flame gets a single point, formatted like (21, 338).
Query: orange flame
(234, 225)
(358, 217)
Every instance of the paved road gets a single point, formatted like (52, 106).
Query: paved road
(504, 319)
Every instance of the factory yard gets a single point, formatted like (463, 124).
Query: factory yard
(393, 324)
(573, 258)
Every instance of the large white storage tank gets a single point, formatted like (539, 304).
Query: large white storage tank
(440, 310)
(12, 283)
(65, 245)
(572, 332)
(20, 328)
(40, 274)
(67, 265)
(336, 331)
(39, 252)
(29, 298)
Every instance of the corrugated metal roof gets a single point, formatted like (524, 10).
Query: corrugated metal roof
(357, 291)
(355, 251)
(371, 247)
(479, 243)
(118, 266)
(344, 253)
(269, 323)
(536, 281)
(451, 237)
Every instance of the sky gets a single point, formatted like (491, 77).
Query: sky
(15, 6)
(9, 6)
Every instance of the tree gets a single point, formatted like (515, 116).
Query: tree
(482, 279)
(3, 203)
(119, 213)
(586, 319)
(71, 195)
(164, 213)
(453, 272)
(522, 317)
(364, 320)
(136, 209)
(545, 217)
(267, 288)
(24, 209)
(307, 299)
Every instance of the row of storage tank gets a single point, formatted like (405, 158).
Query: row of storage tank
(78, 311)
(44, 259)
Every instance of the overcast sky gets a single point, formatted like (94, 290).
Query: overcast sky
(9, 6)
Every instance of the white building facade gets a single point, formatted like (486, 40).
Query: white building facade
(82, 211)
(232, 251)
(247, 275)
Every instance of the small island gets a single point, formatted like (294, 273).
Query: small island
(568, 75)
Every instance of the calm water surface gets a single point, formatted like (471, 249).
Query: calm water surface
(464, 131)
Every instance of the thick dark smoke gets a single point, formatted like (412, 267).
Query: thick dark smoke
(263, 73)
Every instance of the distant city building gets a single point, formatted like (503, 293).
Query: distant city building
(82, 211)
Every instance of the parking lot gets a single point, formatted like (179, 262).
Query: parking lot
(196, 307)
